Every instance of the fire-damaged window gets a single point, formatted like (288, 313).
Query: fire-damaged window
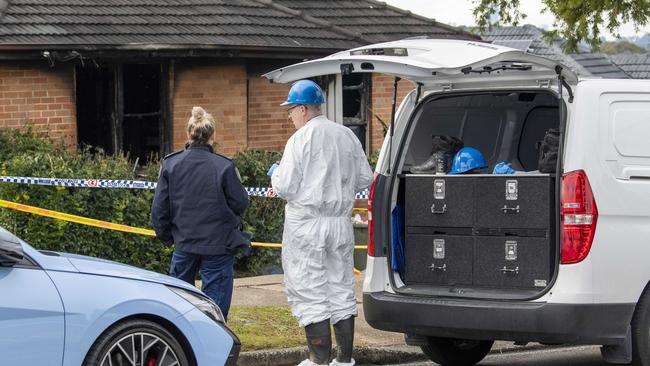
(356, 95)
(123, 108)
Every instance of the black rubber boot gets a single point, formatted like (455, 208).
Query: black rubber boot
(319, 341)
(344, 333)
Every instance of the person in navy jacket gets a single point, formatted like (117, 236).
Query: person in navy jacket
(197, 206)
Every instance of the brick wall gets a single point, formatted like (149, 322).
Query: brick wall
(269, 128)
(34, 94)
(268, 125)
(382, 97)
(220, 88)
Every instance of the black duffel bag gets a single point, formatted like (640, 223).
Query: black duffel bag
(548, 151)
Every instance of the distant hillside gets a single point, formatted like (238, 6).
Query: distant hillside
(641, 41)
(616, 47)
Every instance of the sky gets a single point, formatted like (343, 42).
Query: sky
(459, 12)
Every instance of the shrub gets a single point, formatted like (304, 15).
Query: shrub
(16, 142)
(25, 154)
(124, 206)
(264, 218)
(372, 159)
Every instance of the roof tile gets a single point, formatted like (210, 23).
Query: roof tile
(272, 23)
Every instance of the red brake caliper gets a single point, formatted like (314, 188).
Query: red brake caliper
(152, 362)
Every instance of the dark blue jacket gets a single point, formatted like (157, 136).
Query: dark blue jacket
(199, 202)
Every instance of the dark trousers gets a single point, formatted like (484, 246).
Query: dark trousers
(216, 275)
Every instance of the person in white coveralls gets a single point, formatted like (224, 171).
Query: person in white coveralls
(322, 169)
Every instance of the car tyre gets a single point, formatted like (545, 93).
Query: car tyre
(456, 352)
(641, 331)
(160, 346)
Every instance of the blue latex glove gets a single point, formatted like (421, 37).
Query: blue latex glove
(272, 169)
(503, 168)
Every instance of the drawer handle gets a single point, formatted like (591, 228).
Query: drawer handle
(507, 209)
(440, 211)
(435, 268)
(506, 270)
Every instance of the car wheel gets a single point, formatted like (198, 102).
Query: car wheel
(641, 331)
(456, 352)
(136, 342)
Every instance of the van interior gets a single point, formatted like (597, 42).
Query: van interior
(478, 234)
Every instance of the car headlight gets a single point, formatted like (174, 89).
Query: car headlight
(203, 303)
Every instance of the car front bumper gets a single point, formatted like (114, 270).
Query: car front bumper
(234, 351)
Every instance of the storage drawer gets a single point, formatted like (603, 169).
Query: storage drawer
(439, 201)
(514, 202)
(511, 262)
(438, 259)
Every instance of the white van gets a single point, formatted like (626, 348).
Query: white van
(557, 257)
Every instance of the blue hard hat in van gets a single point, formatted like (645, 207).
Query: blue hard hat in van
(467, 159)
(305, 92)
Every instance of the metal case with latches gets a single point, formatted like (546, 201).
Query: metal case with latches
(511, 262)
(438, 260)
(514, 202)
(441, 201)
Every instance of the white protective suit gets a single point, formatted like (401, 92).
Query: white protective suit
(322, 168)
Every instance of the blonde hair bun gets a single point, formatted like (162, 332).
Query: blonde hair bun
(201, 126)
(198, 113)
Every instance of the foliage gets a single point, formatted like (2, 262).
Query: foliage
(613, 48)
(264, 327)
(26, 154)
(372, 159)
(576, 20)
(264, 218)
(16, 142)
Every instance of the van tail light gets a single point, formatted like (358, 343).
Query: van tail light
(371, 221)
(578, 215)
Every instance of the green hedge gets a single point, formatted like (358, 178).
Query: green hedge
(264, 218)
(24, 154)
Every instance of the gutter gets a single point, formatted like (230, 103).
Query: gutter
(35, 51)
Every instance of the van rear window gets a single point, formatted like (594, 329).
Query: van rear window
(538, 121)
(503, 126)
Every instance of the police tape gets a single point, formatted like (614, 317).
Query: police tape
(80, 183)
(105, 224)
(112, 226)
(74, 218)
(126, 183)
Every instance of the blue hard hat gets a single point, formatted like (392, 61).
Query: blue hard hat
(467, 159)
(305, 92)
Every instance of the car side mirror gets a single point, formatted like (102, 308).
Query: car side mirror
(10, 253)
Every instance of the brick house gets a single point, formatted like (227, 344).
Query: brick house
(124, 74)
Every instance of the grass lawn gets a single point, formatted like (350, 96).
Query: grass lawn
(263, 327)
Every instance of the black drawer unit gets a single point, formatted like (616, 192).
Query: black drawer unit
(511, 262)
(439, 201)
(518, 202)
(438, 259)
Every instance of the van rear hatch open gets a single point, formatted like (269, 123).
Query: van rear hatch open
(429, 62)
(476, 240)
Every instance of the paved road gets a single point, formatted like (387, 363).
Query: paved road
(572, 356)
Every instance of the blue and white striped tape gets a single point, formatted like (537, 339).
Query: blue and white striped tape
(81, 183)
(124, 183)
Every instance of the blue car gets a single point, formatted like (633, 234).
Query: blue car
(64, 309)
